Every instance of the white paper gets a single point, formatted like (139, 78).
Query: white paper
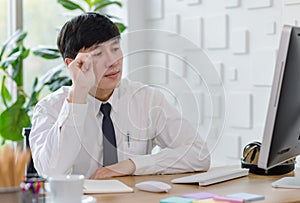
(105, 186)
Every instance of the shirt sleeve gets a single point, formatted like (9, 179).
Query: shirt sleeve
(182, 149)
(55, 139)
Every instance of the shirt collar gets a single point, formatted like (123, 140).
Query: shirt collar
(113, 100)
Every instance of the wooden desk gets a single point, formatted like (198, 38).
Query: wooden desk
(252, 184)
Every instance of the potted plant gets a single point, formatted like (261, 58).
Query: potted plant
(16, 103)
(14, 115)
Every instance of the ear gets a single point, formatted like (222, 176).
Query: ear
(68, 61)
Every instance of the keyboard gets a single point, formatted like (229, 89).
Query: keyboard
(212, 177)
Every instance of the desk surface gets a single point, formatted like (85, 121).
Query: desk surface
(252, 184)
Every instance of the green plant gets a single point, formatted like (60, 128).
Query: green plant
(16, 103)
(15, 114)
(93, 5)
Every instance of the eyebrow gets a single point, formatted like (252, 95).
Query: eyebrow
(114, 42)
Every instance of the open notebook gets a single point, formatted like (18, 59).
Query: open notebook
(101, 186)
(105, 186)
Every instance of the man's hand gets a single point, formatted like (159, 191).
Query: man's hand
(122, 168)
(83, 78)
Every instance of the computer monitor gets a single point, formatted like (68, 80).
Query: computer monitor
(281, 139)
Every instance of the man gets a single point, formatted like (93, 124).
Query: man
(69, 128)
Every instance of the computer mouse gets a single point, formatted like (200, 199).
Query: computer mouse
(153, 186)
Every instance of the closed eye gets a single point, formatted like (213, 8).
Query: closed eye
(97, 53)
(116, 48)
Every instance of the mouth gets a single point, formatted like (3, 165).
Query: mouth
(112, 75)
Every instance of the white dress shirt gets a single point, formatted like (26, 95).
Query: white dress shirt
(67, 138)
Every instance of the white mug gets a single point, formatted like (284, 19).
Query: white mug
(66, 188)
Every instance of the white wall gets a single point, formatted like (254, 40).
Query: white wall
(240, 37)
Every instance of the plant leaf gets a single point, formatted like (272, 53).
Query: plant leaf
(13, 120)
(59, 82)
(107, 3)
(121, 27)
(34, 95)
(19, 52)
(25, 53)
(2, 66)
(70, 5)
(17, 74)
(17, 37)
(49, 76)
(6, 97)
(54, 80)
(99, 1)
(46, 52)
(89, 2)
(11, 59)
(112, 17)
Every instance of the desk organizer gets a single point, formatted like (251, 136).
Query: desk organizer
(33, 190)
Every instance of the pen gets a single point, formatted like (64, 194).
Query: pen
(128, 139)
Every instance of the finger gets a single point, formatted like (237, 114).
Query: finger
(80, 61)
(97, 174)
(102, 174)
(87, 65)
(95, 52)
(92, 177)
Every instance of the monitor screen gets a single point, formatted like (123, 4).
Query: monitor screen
(281, 139)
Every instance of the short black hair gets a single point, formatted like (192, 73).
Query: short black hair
(83, 31)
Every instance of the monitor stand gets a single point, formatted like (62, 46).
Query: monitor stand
(287, 182)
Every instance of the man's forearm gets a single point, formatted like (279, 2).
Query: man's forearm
(123, 168)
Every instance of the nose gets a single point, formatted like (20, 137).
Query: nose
(112, 59)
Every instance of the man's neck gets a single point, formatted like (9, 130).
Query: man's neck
(101, 94)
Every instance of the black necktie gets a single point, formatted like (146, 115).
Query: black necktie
(110, 155)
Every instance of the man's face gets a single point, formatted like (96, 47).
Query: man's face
(107, 59)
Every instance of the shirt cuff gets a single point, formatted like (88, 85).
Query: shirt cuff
(144, 164)
(72, 114)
